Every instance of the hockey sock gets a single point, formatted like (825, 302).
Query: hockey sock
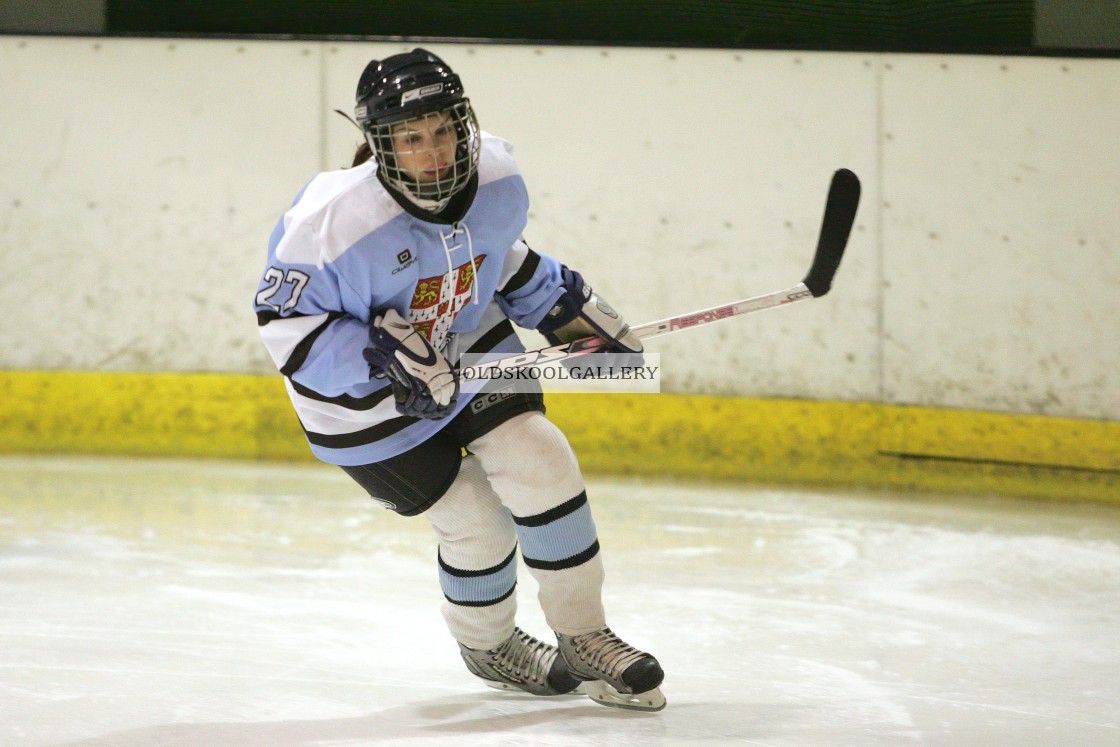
(477, 560)
(533, 470)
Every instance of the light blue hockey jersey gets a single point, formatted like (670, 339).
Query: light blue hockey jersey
(345, 247)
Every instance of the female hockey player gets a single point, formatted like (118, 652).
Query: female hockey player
(380, 278)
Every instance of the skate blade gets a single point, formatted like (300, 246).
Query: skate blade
(507, 687)
(604, 694)
(501, 686)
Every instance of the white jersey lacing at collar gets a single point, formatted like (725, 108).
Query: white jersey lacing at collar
(448, 248)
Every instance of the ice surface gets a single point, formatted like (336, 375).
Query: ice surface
(162, 602)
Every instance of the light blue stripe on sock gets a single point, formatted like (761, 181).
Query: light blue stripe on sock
(559, 539)
(470, 587)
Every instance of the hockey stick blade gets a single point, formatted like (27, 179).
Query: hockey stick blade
(839, 215)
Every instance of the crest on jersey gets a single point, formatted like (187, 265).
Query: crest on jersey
(438, 300)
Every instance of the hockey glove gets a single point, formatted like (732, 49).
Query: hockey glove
(581, 312)
(424, 383)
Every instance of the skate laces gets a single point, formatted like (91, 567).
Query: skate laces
(525, 656)
(606, 652)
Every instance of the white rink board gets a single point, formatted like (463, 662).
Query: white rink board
(141, 178)
(1002, 230)
(140, 181)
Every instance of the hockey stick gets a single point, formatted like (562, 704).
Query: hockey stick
(839, 215)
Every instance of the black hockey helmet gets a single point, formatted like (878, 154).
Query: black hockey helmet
(412, 86)
(404, 85)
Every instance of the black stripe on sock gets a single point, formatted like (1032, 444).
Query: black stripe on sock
(560, 565)
(460, 573)
(551, 515)
(483, 604)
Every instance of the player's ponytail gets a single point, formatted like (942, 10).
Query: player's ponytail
(364, 152)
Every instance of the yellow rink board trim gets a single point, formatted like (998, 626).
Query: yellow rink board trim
(692, 436)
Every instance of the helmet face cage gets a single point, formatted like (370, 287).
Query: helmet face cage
(445, 141)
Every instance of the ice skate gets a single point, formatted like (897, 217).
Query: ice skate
(618, 674)
(521, 663)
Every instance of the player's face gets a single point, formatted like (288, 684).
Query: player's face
(425, 147)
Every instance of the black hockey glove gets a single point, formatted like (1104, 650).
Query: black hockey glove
(424, 383)
(580, 312)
